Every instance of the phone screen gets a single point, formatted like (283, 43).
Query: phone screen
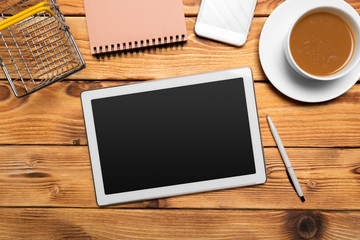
(233, 15)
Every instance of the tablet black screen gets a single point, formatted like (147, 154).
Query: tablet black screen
(173, 136)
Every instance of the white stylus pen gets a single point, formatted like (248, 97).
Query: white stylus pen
(285, 158)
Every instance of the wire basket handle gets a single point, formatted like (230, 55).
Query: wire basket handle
(27, 13)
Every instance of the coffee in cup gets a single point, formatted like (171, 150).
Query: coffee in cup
(323, 44)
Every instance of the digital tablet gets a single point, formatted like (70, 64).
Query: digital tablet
(175, 136)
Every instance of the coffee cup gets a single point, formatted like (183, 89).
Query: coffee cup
(323, 43)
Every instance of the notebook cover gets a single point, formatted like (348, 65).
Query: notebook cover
(115, 25)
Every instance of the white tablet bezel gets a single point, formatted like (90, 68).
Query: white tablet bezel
(251, 179)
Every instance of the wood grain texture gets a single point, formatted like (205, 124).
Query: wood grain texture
(54, 116)
(46, 188)
(176, 224)
(197, 55)
(191, 7)
(60, 176)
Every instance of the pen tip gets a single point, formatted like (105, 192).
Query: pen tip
(267, 115)
(302, 199)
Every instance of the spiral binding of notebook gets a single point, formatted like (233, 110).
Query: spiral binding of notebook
(134, 24)
(138, 44)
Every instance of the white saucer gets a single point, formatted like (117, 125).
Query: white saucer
(278, 70)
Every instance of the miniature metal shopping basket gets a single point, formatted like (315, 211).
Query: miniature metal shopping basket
(36, 46)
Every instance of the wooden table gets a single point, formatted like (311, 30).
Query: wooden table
(46, 188)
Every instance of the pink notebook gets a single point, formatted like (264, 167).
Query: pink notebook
(116, 25)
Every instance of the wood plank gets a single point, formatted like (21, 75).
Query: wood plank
(60, 176)
(54, 116)
(191, 7)
(177, 224)
(197, 55)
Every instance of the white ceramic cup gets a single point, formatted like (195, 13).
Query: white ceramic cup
(352, 18)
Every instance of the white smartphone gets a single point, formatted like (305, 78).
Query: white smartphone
(225, 20)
